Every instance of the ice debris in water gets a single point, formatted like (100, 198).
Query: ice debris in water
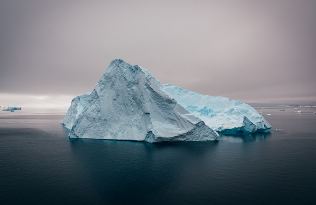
(128, 103)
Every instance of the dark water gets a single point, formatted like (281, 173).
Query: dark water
(40, 165)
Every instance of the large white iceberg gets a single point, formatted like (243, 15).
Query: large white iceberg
(222, 114)
(128, 103)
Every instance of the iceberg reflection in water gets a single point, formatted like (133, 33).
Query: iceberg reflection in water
(258, 137)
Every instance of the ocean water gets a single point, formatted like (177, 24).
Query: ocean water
(39, 164)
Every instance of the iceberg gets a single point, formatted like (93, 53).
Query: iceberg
(11, 109)
(222, 114)
(128, 103)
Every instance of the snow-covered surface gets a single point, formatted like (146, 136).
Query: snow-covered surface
(128, 103)
(220, 113)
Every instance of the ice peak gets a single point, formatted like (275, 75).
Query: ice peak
(117, 61)
(118, 68)
(121, 64)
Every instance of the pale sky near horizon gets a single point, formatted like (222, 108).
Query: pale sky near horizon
(249, 50)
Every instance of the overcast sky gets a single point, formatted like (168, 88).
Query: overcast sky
(254, 51)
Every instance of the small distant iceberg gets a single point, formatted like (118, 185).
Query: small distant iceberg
(11, 109)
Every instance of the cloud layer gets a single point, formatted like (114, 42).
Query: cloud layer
(255, 51)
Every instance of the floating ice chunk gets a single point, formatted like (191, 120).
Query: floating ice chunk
(11, 109)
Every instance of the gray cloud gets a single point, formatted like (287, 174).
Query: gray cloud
(255, 51)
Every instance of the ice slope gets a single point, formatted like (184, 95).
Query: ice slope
(128, 103)
(222, 114)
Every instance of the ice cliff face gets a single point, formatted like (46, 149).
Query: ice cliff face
(222, 114)
(76, 108)
(128, 103)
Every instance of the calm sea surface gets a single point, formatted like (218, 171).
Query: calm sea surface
(39, 164)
